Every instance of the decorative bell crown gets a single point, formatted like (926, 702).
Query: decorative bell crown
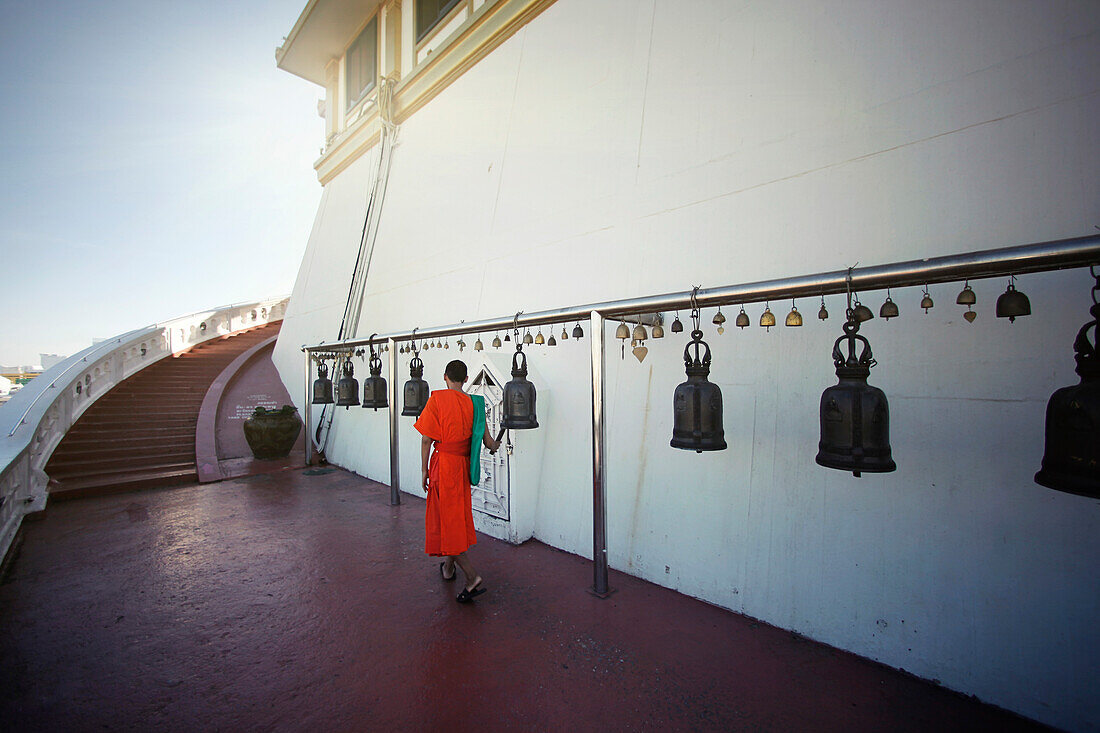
(855, 417)
(322, 386)
(1071, 460)
(347, 389)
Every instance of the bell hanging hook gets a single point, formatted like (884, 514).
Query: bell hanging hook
(695, 306)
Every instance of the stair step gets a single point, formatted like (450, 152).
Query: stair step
(99, 486)
(104, 463)
(96, 440)
(117, 470)
(99, 435)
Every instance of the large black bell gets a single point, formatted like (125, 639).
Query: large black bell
(322, 386)
(855, 418)
(416, 389)
(1071, 461)
(347, 389)
(697, 403)
(375, 390)
(519, 396)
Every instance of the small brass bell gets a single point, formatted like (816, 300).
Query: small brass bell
(794, 318)
(322, 386)
(639, 333)
(578, 332)
(478, 346)
(622, 332)
(527, 340)
(539, 339)
(677, 327)
(496, 342)
(889, 309)
(718, 320)
(742, 319)
(697, 403)
(1071, 459)
(507, 337)
(551, 341)
(926, 301)
(767, 318)
(438, 345)
(519, 397)
(966, 296)
(375, 392)
(822, 314)
(416, 389)
(347, 389)
(446, 344)
(658, 331)
(564, 335)
(1012, 303)
(855, 417)
(861, 312)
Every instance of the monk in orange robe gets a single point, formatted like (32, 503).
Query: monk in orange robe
(448, 423)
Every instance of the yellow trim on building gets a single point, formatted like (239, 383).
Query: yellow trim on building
(487, 27)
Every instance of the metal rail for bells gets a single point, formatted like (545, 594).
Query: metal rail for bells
(1042, 257)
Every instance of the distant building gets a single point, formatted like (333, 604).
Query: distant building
(48, 360)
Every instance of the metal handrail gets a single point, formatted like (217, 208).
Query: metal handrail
(83, 360)
(1044, 256)
(129, 336)
(1056, 255)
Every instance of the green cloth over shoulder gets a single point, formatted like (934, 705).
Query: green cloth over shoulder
(476, 438)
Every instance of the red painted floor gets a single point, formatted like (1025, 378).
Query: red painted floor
(287, 601)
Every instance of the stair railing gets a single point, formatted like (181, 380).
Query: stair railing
(36, 418)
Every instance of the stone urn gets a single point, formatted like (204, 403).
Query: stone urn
(271, 433)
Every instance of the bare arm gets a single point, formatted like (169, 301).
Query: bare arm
(490, 442)
(425, 451)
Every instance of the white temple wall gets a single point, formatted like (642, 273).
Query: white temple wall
(617, 149)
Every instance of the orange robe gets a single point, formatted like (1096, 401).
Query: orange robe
(449, 519)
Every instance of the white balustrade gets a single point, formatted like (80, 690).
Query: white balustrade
(36, 418)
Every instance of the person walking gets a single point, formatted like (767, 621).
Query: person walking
(453, 423)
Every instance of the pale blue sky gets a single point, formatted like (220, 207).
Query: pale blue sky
(153, 162)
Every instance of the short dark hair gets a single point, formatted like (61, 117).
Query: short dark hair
(456, 371)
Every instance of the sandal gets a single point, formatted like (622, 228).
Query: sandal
(454, 573)
(468, 594)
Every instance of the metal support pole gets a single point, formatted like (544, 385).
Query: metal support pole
(599, 476)
(395, 456)
(309, 412)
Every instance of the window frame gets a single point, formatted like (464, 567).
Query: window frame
(445, 12)
(372, 83)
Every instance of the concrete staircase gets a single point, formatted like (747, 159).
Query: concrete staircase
(141, 434)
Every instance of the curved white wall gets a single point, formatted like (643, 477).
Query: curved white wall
(622, 148)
